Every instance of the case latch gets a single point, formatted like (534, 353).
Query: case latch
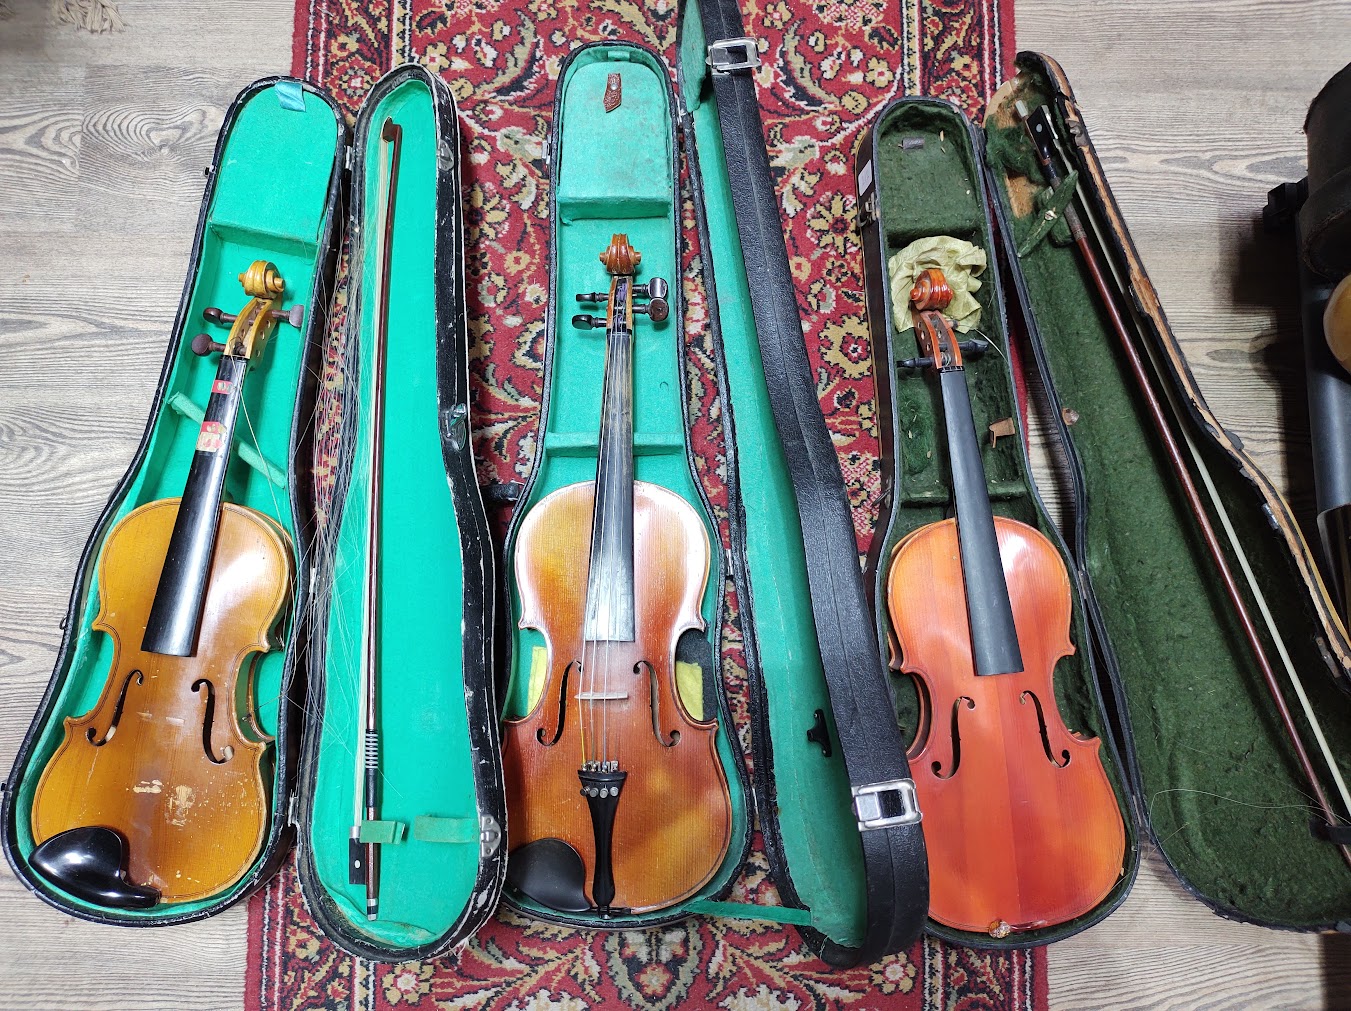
(489, 836)
(872, 809)
(728, 55)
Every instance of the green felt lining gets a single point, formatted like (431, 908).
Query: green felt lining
(250, 217)
(427, 779)
(936, 189)
(632, 155)
(1218, 782)
(816, 824)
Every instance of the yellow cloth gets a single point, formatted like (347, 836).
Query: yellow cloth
(960, 262)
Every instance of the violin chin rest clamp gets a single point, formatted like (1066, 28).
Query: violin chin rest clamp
(90, 864)
(550, 872)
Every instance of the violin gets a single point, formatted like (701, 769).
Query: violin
(1019, 807)
(157, 793)
(617, 800)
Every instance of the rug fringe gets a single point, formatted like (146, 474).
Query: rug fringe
(96, 16)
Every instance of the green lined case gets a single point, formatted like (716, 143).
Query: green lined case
(277, 128)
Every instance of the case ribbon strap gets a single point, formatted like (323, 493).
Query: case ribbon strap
(869, 738)
(383, 832)
(1052, 204)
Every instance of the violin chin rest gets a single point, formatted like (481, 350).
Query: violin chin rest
(90, 863)
(551, 872)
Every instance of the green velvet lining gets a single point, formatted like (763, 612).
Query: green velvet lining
(817, 826)
(251, 217)
(934, 188)
(642, 123)
(1218, 781)
(426, 766)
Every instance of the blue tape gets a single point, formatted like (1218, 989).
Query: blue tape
(291, 95)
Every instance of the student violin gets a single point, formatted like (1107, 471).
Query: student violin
(617, 800)
(157, 793)
(1019, 807)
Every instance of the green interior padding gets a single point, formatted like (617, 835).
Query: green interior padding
(426, 765)
(1219, 784)
(252, 216)
(568, 454)
(935, 188)
(817, 827)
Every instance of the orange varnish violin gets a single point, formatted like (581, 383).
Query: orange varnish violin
(158, 793)
(1018, 809)
(617, 799)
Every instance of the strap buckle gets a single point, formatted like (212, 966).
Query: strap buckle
(871, 810)
(728, 55)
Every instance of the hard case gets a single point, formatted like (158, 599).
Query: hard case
(1162, 673)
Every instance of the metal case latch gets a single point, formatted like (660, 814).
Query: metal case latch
(728, 55)
(872, 813)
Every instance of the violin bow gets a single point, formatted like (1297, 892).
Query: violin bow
(1047, 145)
(366, 856)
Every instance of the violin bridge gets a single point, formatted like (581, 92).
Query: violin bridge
(601, 696)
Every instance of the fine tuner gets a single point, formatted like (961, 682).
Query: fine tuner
(657, 308)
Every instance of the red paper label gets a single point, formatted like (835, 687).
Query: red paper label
(222, 386)
(211, 437)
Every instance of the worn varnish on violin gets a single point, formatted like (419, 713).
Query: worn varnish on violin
(157, 794)
(1019, 816)
(617, 799)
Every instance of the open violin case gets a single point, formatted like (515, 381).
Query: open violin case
(1162, 673)
(276, 191)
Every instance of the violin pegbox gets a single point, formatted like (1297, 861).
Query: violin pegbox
(253, 325)
(621, 260)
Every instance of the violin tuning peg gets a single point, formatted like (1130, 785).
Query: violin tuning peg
(203, 345)
(585, 321)
(655, 288)
(214, 315)
(656, 310)
(594, 296)
(295, 315)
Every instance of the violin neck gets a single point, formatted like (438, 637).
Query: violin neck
(609, 590)
(176, 613)
(994, 640)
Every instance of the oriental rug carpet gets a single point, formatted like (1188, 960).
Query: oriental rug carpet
(829, 66)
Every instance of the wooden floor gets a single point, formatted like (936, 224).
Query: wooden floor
(1196, 109)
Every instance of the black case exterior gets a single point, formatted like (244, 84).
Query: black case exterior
(301, 486)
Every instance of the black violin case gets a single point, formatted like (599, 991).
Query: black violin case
(1162, 673)
(276, 190)
(830, 790)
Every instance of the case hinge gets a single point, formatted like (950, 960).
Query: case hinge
(489, 836)
(873, 813)
(728, 55)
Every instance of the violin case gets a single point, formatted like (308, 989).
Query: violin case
(276, 190)
(830, 788)
(1162, 673)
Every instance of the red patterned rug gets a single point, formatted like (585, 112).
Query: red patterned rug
(830, 66)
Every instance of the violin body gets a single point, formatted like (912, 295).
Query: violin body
(171, 755)
(1019, 807)
(673, 822)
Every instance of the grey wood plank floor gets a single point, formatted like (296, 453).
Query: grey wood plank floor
(1196, 110)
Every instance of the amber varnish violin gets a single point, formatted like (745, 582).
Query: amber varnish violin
(157, 794)
(1018, 811)
(617, 799)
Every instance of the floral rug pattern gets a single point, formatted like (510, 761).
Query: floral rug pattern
(827, 68)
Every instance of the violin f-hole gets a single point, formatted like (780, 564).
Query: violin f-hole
(1045, 734)
(956, 740)
(208, 721)
(562, 708)
(655, 695)
(117, 712)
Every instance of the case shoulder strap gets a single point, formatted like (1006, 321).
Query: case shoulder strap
(869, 738)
